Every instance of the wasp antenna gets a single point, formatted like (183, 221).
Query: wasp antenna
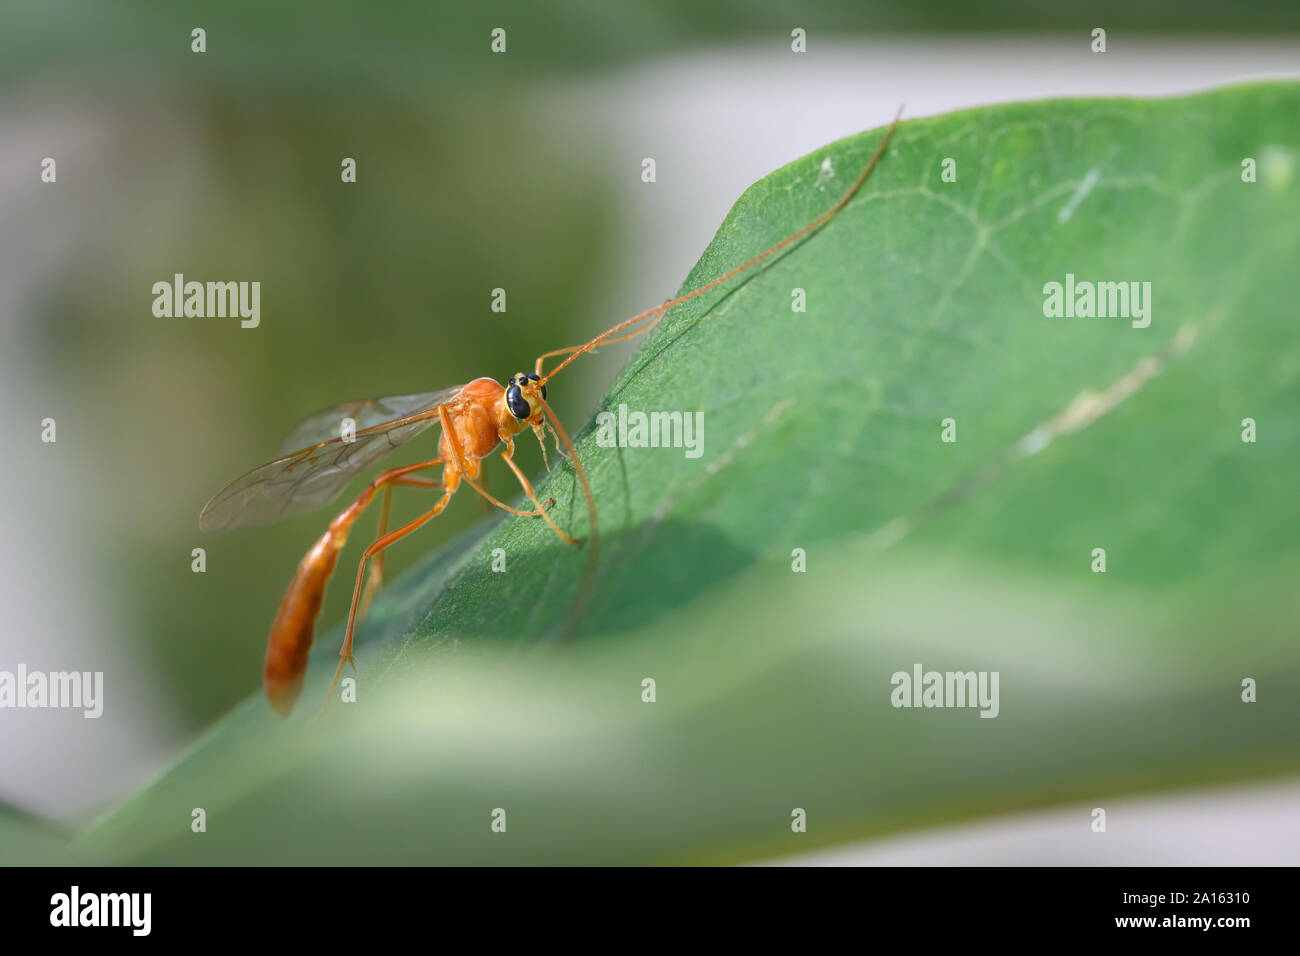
(744, 266)
(593, 543)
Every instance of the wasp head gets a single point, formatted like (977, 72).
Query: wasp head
(522, 392)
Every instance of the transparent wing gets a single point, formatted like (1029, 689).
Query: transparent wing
(315, 463)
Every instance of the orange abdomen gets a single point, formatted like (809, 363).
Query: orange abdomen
(291, 634)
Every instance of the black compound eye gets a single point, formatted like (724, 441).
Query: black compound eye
(532, 377)
(516, 403)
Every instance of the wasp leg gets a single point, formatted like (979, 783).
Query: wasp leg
(507, 456)
(375, 580)
(450, 480)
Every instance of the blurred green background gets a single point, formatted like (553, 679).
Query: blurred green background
(226, 166)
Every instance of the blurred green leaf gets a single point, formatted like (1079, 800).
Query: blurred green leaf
(821, 433)
(29, 841)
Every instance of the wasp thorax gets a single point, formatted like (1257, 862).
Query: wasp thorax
(521, 394)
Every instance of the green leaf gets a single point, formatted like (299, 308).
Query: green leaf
(29, 841)
(925, 301)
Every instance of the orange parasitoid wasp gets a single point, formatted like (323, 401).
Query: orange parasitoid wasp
(319, 461)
